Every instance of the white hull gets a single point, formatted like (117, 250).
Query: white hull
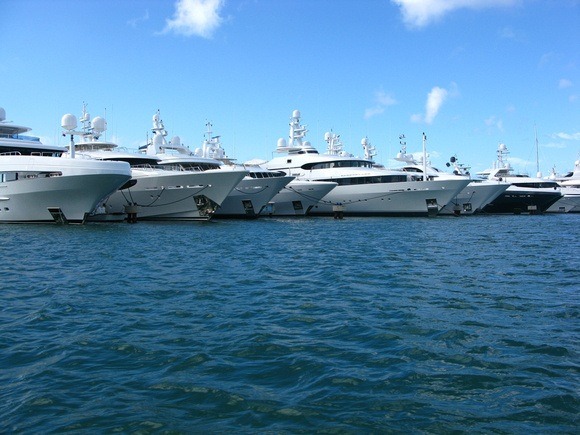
(474, 197)
(417, 198)
(298, 197)
(569, 203)
(71, 195)
(251, 196)
(173, 195)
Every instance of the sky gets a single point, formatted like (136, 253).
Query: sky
(470, 74)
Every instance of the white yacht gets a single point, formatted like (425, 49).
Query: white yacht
(364, 188)
(525, 194)
(248, 198)
(476, 195)
(570, 187)
(156, 193)
(37, 184)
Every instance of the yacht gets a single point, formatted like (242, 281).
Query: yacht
(38, 185)
(156, 193)
(525, 194)
(247, 199)
(570, 187)
(476, 195)
(363, 189)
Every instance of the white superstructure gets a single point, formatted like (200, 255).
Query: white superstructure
(37, 184)
(363, 187)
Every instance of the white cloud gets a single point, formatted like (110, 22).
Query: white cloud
(135, 21)
(557, 145)
(564, 83)
(420, 13)
(435, 100)
(493, 121)
(567, 136)
(195, 17)
(382, 100)
(507, 33)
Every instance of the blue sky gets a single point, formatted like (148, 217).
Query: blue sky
(468, 73)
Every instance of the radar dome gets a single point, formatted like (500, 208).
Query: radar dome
(176, 141)
(327, 136)
(281, 143)
(296, 114)
(502, 147)
(68, 122)
(2, 114)
(364, 141)
(99, 124)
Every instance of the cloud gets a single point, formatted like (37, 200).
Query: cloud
(493, 121)
(135, 21)
(507, 33)
(382, 100)
(567, 136)
(435, 99)
(420, 13)
(564, 83)
(195, 18)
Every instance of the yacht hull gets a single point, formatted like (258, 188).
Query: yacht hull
(517, 200)
(298, 197)
(171, 195)
(416, 198)
(251, 196)
(50, 189)
(569, 203)
(473, 198)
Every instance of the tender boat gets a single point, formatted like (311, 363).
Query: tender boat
(247, 199)
(156, 193)
(525, 194)
(476, 195)
(37, 184)
(364, 189)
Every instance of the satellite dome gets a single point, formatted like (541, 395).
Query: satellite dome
(364, 141)
(156, 117)
(68, 122)
(2, 114)
(307, 143)
(296, 114)
(99, 124)
(281, 143)
(327, 136)
(176, 141)
(502, 147)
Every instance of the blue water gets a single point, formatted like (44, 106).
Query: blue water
(426, 325)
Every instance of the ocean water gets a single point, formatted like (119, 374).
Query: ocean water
(378, 325)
